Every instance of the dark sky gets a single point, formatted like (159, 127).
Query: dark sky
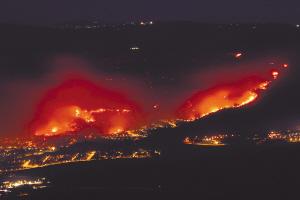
(57, 11)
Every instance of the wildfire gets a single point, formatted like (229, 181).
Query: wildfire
(231, 95)
(79, 104)
(222, 96)
(66, 120)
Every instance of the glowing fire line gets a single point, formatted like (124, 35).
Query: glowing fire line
(74, 113)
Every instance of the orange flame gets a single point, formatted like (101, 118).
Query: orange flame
(219, 97)
(232, 94)
(63, 110)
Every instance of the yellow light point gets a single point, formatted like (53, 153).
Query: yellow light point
(27, 164)
(133, 133)
(90, 120)
(53, 148)
(187, 140)
(54, 129)
(119, 130)
(213, 110)
(75, 156)
(116, 130)
(238, 55)
(172, 124)
(275, 74)
(216, 142)
(100, 110)
(264, 85)
(250, 98)
(46, 158)
(135, 155)
(90, 155)
(156, 106)
(77, 112)
(82, 114)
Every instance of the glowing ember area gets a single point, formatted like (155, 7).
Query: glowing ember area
(275, 74)
(65, 120)
(79, 104)
(230, 95)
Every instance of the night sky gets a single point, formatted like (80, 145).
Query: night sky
(57, 11)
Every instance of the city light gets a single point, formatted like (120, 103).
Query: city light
(238, 55)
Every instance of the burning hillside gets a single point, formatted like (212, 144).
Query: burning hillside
(78, 105)
(232, 94)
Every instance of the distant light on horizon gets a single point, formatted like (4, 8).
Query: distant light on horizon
(238, 55)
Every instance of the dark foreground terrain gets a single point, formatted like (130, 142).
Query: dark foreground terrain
(258, 172)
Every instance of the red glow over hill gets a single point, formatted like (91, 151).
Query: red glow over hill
(227, 95)
(77, 104)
